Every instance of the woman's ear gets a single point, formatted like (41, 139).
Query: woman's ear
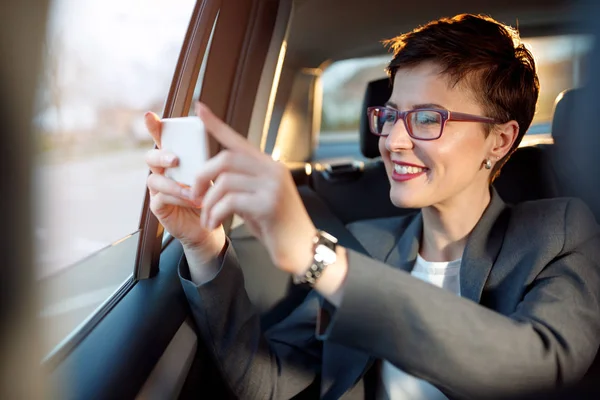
(503, 138)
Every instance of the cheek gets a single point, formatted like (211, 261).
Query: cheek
(460, 151)
(385, 154)
(382, 149)
(386, 157)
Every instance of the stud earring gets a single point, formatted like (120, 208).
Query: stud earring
(488, 164)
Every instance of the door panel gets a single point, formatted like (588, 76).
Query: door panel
(169, 374)
(117, 356)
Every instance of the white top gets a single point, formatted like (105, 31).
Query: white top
(398, 385)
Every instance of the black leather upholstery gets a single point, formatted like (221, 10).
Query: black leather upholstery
(574, 130)
(364, 196)
(377, 94)
(558, 153)
(563, 114)
(527, 175)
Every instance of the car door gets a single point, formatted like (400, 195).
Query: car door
(139, 340)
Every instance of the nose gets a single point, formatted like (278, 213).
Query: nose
(398, 139)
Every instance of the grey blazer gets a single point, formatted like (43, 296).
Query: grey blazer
(528, 317)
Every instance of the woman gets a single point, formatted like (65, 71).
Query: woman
(511, 299)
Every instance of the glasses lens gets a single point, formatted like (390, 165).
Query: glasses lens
(381, 120)
(425, 124)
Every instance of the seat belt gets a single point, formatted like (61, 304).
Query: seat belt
(254, 258)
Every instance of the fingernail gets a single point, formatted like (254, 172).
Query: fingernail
(169, 159)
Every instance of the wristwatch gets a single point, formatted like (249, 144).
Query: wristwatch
(324, 254)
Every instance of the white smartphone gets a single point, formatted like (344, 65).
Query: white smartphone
(186, 138)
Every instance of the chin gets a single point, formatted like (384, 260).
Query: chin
(407, 198)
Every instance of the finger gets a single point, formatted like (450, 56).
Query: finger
(158, 160)
(226, 161)
(160, 201)
(226, 183)
(241, 203)
(162, 184)
(153, 125)
(222, 132)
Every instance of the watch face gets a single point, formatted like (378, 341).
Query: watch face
(325, 255)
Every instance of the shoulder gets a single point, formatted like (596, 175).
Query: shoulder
(379, 235)
(565, 220)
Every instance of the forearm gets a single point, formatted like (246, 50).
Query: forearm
(331, 284)
(205, 259)
(459, 345)
(255, 365)
(202, 270)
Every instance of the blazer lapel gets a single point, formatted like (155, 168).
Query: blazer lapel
(404, 254)
(482, 248)
(345, 366)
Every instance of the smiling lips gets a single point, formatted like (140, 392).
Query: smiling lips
(404, 171)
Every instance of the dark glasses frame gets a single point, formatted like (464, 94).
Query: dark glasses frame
(446, 116)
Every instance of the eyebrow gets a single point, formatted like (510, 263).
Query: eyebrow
(417, 106)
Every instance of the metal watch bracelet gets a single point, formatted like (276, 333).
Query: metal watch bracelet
(324, 254)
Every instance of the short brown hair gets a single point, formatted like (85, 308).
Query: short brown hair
(486, 55)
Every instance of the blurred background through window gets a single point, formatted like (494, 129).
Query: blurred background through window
(106, 64)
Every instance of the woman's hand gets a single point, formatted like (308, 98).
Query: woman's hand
(251, 184)
(173, 205)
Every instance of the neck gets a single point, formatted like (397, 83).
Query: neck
(447, 225)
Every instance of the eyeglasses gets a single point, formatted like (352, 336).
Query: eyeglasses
(421, 124)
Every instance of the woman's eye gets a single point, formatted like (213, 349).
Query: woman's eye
(426, 118)
(389, 117)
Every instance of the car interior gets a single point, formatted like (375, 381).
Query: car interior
(262, 61)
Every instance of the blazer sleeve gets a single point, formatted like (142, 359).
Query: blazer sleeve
(276, 364)
(465, 349)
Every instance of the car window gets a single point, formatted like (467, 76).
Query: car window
(343, 85)
(560, 60)
(106, 63)
(561, 63)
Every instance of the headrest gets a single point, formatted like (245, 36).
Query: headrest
(575, 144)
(562, 122)
(377, 94)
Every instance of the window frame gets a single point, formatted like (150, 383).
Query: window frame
(177, 104)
